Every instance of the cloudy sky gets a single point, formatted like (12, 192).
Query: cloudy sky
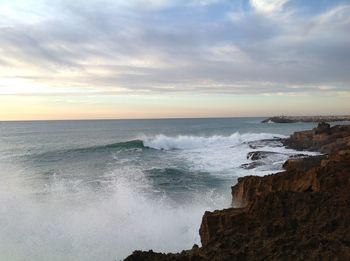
(63, 59)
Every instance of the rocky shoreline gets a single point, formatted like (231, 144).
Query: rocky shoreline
(294, 119)
(301, 213)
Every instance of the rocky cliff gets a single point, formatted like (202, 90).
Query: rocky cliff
(302, 213)
(324, 138)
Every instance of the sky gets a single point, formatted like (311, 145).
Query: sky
(63, 59)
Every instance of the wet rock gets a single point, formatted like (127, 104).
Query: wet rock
(301, 213)
(258, 155)
(252, 165)
(299, 155)
(275, 142)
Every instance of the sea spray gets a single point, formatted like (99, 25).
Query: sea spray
(90, 225)
(185, 142)
(97, 190)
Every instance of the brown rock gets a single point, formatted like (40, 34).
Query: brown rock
(300, 176)
(302, 213)
(323, 138)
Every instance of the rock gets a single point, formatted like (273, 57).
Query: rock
(323, 127)
(323, 138)
(257, 155)
(275, 142)
(216, 222)
(298, 156)
(252, 165)
(294, 179)
(301, 213)
(150, 256)
(293, 119)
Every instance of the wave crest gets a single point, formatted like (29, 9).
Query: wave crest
(186, 142)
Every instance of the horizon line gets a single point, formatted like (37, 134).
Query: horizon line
(170, 118)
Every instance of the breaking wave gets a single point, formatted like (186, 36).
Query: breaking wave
(89, 225)
(184, 142)
(163, 142)
(132, 144)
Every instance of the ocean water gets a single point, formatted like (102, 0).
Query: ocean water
(97, 190)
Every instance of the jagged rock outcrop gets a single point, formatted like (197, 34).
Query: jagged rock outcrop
(324, 138)
(300, 177)
(301, 213)
(260, 158)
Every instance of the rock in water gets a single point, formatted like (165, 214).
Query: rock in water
(302, 213)
(257, 155)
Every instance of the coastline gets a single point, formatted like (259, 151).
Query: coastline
(295, 214)
(295, 119)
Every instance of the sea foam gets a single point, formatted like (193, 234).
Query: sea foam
(185, 142)
(70, 221)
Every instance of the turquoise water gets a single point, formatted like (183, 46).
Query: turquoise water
(96, 190)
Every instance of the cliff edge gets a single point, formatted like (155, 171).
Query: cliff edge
(301, 213)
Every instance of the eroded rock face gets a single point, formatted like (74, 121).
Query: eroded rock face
(285, 225)
(294, 179)
(302, 213)
(324, 138)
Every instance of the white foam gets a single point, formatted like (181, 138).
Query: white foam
(67, 220)
(78, 223)
(185, 142)
(219, 155)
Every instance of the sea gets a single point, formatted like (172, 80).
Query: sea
(100, 189)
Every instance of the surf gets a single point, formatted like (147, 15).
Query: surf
(186, 142)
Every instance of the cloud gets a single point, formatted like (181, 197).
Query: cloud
(267, 6)
(204, 2)
(118, 47)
